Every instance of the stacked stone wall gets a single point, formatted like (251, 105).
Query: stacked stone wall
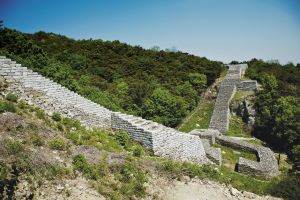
(163, 141)
(231, 82)
(51, 96)
(247, 85)
(266, 164)
(221, 113)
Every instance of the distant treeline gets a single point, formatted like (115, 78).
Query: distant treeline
(158, 85)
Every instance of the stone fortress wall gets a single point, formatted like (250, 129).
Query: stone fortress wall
(163, 141)
(231, 82)
(265, 165)
(51, 96)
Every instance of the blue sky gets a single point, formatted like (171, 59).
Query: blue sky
(222, 30)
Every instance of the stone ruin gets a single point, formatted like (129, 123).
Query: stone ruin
(265, 165)
(231, 82)
(163, 141)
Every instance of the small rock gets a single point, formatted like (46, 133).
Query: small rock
(25, 183)
(233, 191)
(249, 195)
(59, 187)
(184, 179)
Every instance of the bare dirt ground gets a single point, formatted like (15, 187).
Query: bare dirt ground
(195, 189)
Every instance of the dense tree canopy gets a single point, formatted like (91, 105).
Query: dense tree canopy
(278, 106)
(159, 85)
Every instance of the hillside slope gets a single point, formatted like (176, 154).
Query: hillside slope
(158, 85)
(51, 157)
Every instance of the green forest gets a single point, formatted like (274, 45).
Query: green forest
(278, 106)
(162, 86)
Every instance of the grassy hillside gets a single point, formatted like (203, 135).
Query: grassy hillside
(42, 156)
(158, 85)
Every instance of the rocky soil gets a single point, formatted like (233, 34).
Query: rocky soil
(196, 189)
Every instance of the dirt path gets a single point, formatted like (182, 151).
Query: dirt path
(195, 189)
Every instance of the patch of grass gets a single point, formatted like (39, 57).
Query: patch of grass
(236, 127)
(40, 114)
(7, 107)
(3, 170)
(230, 157)
(133, 180)
(57, 144)
(56, 171)
(124, 140)
(241, 95)
(60, 127)
(200, 119)
(71, 123)
(13, 147)
(56, 117)
(81, 164)
(100, 139)
(11, 97)
(123, 182)
(37, 139)
(138, 151)
(22, 104)
(256, 141)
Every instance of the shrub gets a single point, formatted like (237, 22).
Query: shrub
(37, 140)
(11, 97)
(138, 151)
(133, 181)
(81, 164)
(70, 123)
(56, 170)
(22, 104)
(124, 140)
(3, 170)
(56, 117)
(40, 114)
(288, 188)
(57, 144)
(74, 137)
(60, 127)
(7, 107)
